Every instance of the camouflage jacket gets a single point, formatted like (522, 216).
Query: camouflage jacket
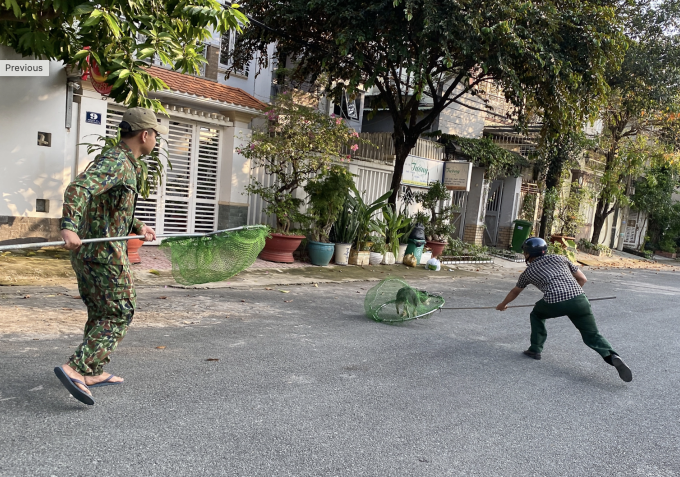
(100, 202)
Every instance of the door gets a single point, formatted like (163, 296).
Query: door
(459, 201)
(186, 201)
(632, 228)
(493, 212)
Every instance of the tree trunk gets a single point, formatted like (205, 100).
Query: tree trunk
(552, 180)
(601, 214)
(402, 148)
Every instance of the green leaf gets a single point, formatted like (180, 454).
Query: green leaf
(83, 9)
(112, 22)
(146, 52)
(94, 19)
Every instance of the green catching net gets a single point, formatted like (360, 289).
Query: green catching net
(215, 257)
(392, 301)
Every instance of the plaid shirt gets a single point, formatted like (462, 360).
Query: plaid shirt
(552, 274)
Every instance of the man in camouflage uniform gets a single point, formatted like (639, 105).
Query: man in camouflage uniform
(100, 202)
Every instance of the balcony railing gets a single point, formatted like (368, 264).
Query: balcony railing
(380, 148)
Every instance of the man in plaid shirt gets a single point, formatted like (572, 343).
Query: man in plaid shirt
(561, 283)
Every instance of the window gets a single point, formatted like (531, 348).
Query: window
(227, 43)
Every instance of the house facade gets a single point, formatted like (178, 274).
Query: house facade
(46, 120)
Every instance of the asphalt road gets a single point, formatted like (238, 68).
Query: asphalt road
(313, 388)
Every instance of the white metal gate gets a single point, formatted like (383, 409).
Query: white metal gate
(459, 201)
(493, 212)
(187, 199)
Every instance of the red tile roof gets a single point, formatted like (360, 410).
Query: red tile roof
(206, 88)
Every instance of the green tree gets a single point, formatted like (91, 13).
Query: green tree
(645, 93)
(120, 36)
(297, 143)
(555, 52)
(556, 150)
(654, 196)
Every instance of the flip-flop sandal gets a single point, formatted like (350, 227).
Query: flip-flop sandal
(75, 391)
(106, 382)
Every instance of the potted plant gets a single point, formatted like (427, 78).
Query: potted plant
(327, 194)
(568, 218)
(397, 226)
(366, 224)
(297, 144)
(344, 233)
(439, 226)
(377, 250)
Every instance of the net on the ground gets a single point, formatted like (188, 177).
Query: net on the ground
(392, 300)
(215, 257)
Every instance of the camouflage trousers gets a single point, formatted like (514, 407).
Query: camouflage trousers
(109, 294)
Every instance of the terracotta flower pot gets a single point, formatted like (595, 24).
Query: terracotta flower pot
(280, 248)
(436, 247)
(556, 238)
(133, 247)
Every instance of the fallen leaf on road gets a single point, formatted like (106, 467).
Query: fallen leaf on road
(27, 296)
(162, 297)
(212, 359)
(154, 272)
(243, 301)
(287, 301)
(67, 309)
(160, 347)
(284, 291)
(268, 288)
(76, 297)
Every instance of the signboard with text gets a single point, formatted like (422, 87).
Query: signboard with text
(457, 176)
(421, 172)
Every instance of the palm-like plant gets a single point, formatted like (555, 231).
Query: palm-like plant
(364, 214)
(397, 225)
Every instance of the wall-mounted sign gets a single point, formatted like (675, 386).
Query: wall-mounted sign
(93, 118)
(457, 175)
(421, 172)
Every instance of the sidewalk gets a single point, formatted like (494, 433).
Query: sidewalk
(264, 274)
(52, 268)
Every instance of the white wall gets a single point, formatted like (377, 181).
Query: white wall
(88, 133)
(236, 171)
(461, 121)
(28, 171)
(257, 84)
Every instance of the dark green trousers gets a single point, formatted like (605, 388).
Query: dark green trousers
(579, 312)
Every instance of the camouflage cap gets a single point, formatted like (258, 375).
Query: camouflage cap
(143, 118)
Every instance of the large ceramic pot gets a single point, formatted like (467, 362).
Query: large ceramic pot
(402, 252)
(436, 247)
(280, 248)
(320, 253)
(133, 246)
(342, 253)
(375, 258)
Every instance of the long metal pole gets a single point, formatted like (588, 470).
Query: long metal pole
(118, 239)
(516, 306)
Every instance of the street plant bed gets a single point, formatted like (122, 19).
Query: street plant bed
(665, 254)
(456, 259)
(507, 255)
(597, 253)
(598, 250)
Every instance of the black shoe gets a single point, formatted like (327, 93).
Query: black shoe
(531, 354)
(624, 371)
